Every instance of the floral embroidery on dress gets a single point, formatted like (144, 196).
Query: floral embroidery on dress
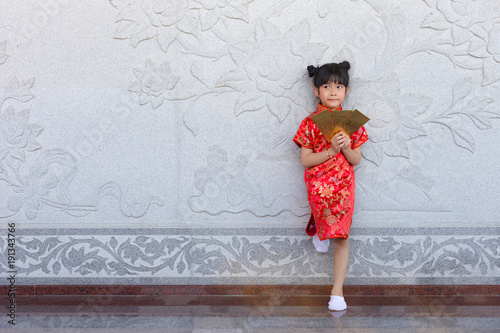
(330, 185)
(327, 192)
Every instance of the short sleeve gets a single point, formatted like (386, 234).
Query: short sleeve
(303, 137)
(358, 138)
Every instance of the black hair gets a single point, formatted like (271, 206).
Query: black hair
(330, 73)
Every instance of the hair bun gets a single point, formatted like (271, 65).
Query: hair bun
(312, 70)
(346, 64)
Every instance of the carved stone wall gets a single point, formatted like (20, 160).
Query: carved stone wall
(150, 141)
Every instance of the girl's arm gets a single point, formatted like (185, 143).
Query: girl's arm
(353, 156)
(340, 143)
(310, 159)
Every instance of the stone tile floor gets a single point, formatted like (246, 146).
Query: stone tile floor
(182, 314)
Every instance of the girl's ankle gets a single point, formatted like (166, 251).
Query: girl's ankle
(336, 292)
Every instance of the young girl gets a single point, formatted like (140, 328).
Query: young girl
(329, 173)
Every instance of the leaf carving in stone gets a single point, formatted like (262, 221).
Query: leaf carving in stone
(3, 56)
(390, 130)
(473, 23)
(17, 134)
(18, 90)
(264, 60)
(165, 20)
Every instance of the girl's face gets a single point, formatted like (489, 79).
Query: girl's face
(331, 95)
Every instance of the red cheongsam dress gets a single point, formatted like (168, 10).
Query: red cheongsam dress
(330, 185)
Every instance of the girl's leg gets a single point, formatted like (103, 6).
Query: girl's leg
(341, 259)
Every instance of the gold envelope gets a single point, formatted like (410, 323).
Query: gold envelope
(353, 122)
(331, 122)
(327, 119)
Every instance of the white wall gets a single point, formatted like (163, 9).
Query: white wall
(151, 131)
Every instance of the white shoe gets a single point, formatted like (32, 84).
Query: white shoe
(337, 303)
(320, 245)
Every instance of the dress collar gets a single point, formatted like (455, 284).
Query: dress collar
(322, 108)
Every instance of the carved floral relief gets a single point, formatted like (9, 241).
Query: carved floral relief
(225, 185)
(264, 61)
(167, 21)
(473, 26)
(286, 257)
(260, 72)
(33, 177)
(401, 125)
(154, 84)
(404, 121)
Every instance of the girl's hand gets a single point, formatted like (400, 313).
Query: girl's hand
(342, 141)
(335, 147)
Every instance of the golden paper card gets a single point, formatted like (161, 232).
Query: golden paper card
(325, 122)
(331, 122)
(327, 119)
(353, 122)
(339, 115)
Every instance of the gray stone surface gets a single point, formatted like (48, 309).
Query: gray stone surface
(228, 324)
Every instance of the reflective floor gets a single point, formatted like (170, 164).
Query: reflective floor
(289, 314)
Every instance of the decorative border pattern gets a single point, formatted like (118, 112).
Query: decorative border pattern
(253, 256)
